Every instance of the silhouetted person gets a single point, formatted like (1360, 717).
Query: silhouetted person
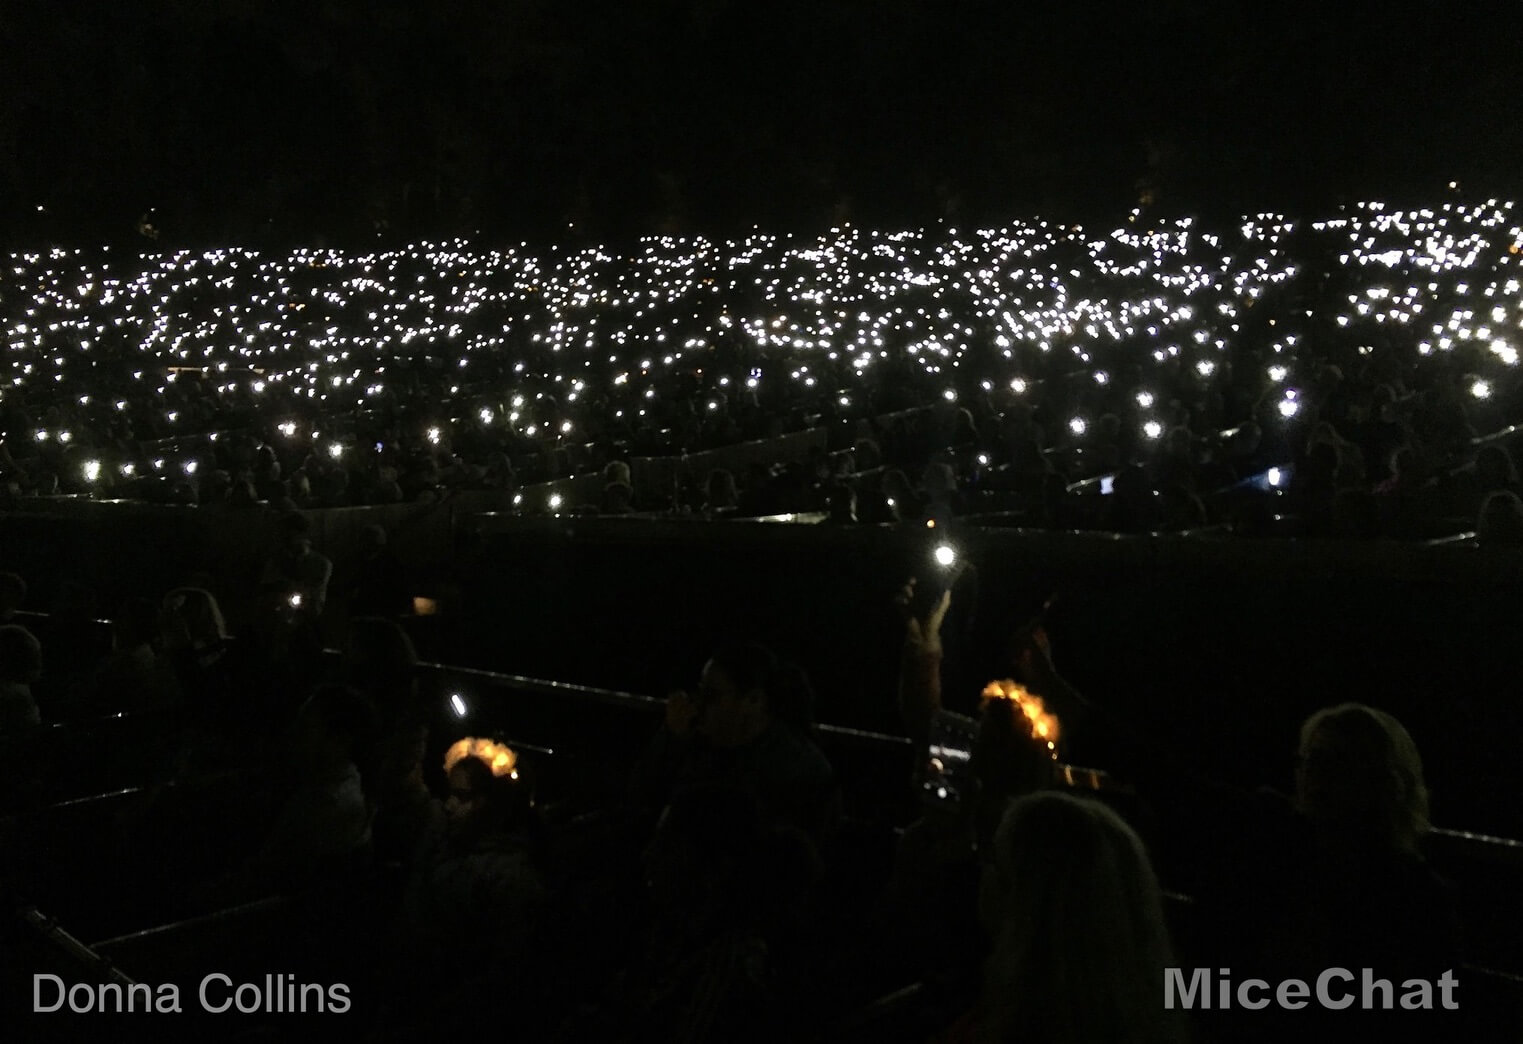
(1074, 916)
(741, 730)
(322, 830)
(476, 897)
(618, 499)
(1500, 523)
(12, 596)
(380, 583)
(136, 676)
(20, 667)
(1338, 879)
(723, 886)
(296, 575)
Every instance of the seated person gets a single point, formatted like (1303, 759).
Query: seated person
(297, 575)
(20, 667)
(618, 499)
(1336, 880)
(720, 494)
(217, 679)
(379, 587)
(12, 596)
(1500, 523)
(322, 829)
(723, 889)
(136, 675)
(739, 731)
(381, 662)
(1074, 916)
(477, 894)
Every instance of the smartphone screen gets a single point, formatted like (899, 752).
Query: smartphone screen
(949, 757)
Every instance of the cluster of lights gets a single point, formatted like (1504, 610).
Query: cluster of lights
(498, 757)
(1043, 723)
(547, 347)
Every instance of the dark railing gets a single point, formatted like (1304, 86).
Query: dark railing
(623, 700)
(232, 914)
(88, 957)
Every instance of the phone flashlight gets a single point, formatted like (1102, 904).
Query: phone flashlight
(929, 589)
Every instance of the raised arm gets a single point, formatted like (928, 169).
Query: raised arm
(920, 665)
(1032, 653)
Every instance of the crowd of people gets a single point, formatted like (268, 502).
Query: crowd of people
(1354, 375)
(727, 892)
(1359, 356)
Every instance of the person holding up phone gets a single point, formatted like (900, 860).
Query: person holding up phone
(970, 770)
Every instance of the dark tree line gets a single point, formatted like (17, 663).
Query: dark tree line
(349, 119)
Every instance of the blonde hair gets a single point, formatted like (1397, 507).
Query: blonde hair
(499, 758)
(197, 609)
(1380, 763)
(1076, 917)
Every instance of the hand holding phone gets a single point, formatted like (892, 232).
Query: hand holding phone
(931, 587)
(948, 775)
(922, 619)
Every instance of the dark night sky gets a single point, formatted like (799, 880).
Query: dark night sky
(302, 119)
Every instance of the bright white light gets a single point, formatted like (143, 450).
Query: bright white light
(335, 450)
(190, 467)
(1152, 429)
(1144, 399)
(555, 501)
(945, 556)
(92, 470)
(1018, 386)
(456, 702)
(1275, 477)
(433, 436)
(1289, 408)
(1481, 390)
(1077, 426)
